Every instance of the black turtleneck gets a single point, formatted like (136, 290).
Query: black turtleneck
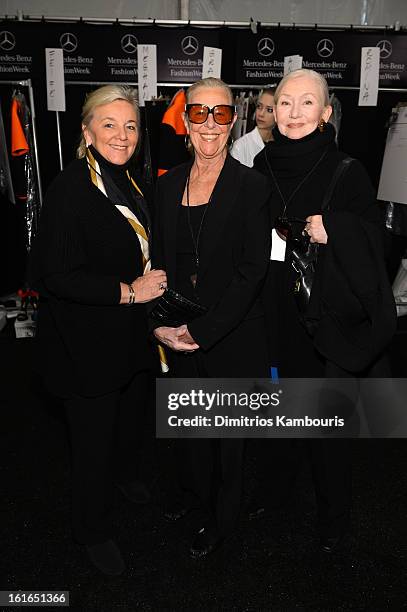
(291, 161)
(119, 188)
(117, 172)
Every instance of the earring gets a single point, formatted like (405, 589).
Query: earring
(186, 141)
(321, 125)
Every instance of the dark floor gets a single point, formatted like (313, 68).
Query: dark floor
(270, 564)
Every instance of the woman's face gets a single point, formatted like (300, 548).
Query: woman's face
(209, 139)
(265, 112)
(113, 131)
(300, 108)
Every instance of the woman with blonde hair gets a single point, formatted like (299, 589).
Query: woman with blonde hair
(91, 265)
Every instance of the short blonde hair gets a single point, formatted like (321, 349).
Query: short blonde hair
(105, 95)
(305, 72)
(210, 83)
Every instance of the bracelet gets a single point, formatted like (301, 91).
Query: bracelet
(132, 294)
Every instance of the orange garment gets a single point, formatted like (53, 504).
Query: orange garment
(172, 150)
(19, 144)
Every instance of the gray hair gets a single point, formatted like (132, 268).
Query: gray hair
(106, 95)
(212, 83)
(304, 72)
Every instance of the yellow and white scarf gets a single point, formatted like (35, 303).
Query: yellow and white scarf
(96, 177)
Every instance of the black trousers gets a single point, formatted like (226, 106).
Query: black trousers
(104, 446)
(330, 459)
(213, 468)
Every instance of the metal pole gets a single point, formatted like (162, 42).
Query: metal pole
(209, 24)
(31, 96)
(232, 85)
(184, 9)
(61, 163)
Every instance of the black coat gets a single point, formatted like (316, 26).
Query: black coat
(351, 298)
(88, 343)
(234, 253)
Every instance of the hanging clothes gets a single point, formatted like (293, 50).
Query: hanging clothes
(23, 168)
(172, 149)
(6, 184)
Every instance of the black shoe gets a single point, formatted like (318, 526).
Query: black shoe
(135, 491)
(206, 541)
(107, 557)
(330, 543)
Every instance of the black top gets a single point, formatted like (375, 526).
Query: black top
(88, 343)
(186, 265)
(233, 250)
(315, 155)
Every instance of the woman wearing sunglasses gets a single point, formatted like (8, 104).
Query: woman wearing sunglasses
(213, 238)
(246, 148)
(343, 330)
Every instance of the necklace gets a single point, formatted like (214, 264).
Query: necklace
(300, 184)
(195, 241)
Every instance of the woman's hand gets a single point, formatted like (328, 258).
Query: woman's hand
(316, 230)
(176, 338)
(146, 288)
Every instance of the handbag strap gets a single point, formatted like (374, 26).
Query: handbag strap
(339, 171)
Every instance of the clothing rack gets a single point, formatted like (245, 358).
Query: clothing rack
(231, 85)
(396, 27)
(28, 83)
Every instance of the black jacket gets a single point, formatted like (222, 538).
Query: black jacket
(234, 248)
(88, 343)
(351, 299)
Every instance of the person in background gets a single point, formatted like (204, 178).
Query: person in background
(91, 265)
(350, 318)
(246, 148)
(213, 239)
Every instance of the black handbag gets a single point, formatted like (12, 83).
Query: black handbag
(304, 254)
(173, 309)
(304, 263)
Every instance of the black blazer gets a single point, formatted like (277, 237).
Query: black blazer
(234, 247)
(88, 343)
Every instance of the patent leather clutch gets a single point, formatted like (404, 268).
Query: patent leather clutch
(173, 309)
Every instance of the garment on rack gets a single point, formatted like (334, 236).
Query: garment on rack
(172, 149)
(6, 184)
(245, 108)
(23, 168)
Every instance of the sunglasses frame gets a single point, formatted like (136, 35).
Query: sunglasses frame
(210, 112)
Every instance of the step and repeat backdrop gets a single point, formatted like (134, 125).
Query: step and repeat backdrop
(106, 53)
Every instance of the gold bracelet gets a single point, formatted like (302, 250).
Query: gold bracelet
(132, 294)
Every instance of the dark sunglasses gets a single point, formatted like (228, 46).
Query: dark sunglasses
(291, 228)
(222, 113)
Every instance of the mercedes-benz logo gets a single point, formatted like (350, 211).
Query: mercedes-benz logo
(189, 45)
(325, 47)
(68, 42)
(129, 43)
(7, 41)
(386, 48)
(265, 47)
